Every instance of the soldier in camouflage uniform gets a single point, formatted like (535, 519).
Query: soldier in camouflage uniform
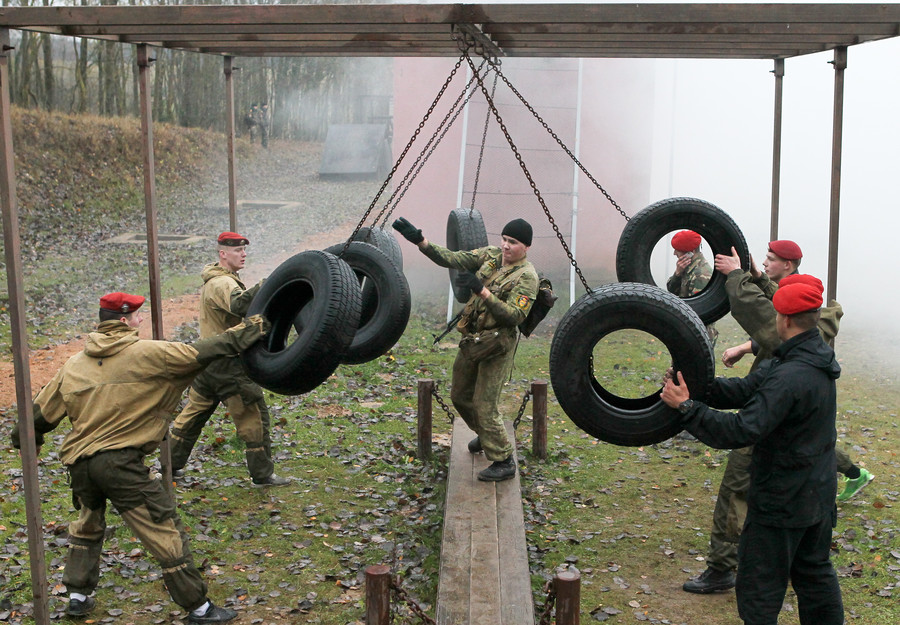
(692, 272)
(119, 393)
(224, 301)
(503, 285)
(750, 296)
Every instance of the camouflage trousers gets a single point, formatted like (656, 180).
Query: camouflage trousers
(731, 507)
(251, 420)
(122, 478)
(476, 395)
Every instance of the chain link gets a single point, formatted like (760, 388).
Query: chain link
(531, 181)
(487, 121)
(550, 589)
(522, 409)
(412, 140)
(441, 402)
(560, 142)
(403, 596)
(426, 152)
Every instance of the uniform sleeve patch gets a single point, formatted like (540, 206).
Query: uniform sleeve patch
(522, 301)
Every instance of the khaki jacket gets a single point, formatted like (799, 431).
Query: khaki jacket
(121, 391)
(752, 308)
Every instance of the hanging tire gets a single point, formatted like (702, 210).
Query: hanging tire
(315, 295)
(620, 306)
(465, 231)
(383, 240)
(649, 226)
(386, 301)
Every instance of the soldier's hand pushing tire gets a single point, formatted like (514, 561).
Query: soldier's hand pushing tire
(409, 231)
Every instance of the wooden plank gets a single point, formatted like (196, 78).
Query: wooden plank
(456, 549)
(484, 577)
(516, 601)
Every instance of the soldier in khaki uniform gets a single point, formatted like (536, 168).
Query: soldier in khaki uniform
(692, 272)
(119, 393)
(224, 301)
(504, 285)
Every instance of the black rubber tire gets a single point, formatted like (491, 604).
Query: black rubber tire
(620, 306)
(646, 228)
(316, 294)
(383, 240)
(465, 231)
(386, 301)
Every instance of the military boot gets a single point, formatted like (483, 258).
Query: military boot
(710, 580)
(475, 445)
(499, 471)
(78, 608)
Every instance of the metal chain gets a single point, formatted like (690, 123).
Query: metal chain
(441, 402)
(404, 597)
(550, 589)
(412, 139)
(423, 157)
(531, 181)
(560, 142)
(522, 409)
(487, 120)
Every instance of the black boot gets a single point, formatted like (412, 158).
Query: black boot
(499, 471)
(214, 614)
(710, 580)
(475, 445)
(80, 608)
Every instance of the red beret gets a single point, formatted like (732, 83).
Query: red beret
(785, 249)
(797, 298)
(233, 239)
(121, 302)
(802, 278)
(686, 241)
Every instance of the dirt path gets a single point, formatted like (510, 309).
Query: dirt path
(176, 311)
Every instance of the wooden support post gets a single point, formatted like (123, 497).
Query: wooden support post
(423, 422)
(568, 597)
(539, 419)
(229, 134)
(19, 336)
(378, 594)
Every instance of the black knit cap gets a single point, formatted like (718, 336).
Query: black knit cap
(520, 230)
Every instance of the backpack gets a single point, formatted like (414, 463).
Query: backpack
(542, 304)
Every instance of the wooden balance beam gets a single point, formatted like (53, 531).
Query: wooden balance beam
(484, 578)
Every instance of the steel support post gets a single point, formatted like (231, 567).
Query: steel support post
(776, 148)
(229, 134)
(840, 64)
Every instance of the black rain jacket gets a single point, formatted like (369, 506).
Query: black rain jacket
(787, 411)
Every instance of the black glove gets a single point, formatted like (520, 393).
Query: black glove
(409, 231)
(468, 280)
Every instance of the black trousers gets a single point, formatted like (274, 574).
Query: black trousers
(769, 557)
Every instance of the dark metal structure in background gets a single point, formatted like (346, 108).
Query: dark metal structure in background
(551, 29)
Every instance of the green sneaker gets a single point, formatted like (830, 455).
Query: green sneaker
(851, 487)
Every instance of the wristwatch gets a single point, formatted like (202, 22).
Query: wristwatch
(685, 406)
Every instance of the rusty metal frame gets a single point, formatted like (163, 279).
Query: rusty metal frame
(732, 31)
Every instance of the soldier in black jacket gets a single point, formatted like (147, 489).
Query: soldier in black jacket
(787, 411)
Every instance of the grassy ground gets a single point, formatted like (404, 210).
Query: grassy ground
(634, 521)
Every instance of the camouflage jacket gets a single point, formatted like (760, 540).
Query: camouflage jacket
(512, 288)
(693, 280)
(751, 306)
